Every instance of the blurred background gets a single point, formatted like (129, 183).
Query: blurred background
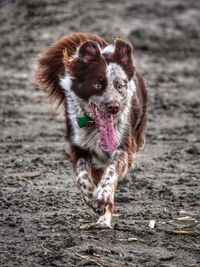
(41, 210)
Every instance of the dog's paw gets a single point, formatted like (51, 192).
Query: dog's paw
(104, 222)
(103, 196)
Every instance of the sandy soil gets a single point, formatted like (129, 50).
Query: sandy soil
(41, 210)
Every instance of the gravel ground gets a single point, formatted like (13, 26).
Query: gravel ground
(41, 210)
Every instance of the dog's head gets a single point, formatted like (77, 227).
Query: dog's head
(102, 80)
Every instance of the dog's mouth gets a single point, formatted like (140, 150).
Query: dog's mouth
(105, 123)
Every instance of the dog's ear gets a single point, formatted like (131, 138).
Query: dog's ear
(89, 52)
(123, 50)
(123, 56)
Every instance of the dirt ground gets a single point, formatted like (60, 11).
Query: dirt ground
(40, 208)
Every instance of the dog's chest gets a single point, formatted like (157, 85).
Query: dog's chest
(88, 139)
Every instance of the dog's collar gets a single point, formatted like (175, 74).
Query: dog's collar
(85, 121)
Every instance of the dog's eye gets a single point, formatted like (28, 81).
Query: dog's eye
(120, 86)
(97, 85)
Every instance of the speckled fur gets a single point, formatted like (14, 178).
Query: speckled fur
(86, 57)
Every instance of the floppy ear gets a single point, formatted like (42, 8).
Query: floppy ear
(89, 52)
(123, 56)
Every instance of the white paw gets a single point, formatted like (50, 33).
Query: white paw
(105, 220)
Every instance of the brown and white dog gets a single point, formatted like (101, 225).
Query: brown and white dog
(105, 102)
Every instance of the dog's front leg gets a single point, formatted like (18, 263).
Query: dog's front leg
(104, 195)
(84, 181)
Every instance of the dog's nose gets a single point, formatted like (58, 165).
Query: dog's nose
(112, 107)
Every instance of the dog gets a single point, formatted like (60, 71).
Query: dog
(105, 102)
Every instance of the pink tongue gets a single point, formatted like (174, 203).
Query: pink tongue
(108, 139)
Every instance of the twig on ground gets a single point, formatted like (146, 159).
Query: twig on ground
(89, 259)
(103, 262)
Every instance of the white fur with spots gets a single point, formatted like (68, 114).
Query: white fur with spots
(88, 138)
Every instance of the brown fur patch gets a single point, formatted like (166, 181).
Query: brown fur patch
(96, 175)
(54, 62)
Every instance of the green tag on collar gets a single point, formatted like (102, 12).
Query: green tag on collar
(84, 121)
